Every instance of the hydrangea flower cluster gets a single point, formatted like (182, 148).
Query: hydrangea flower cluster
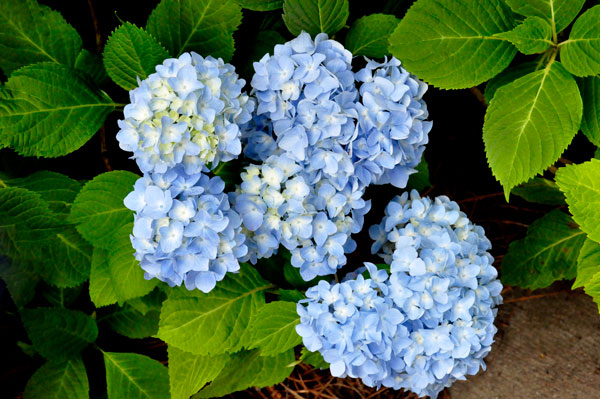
(182, 121)
(368, 126)
(426, 324)
(188, 113)
(392, 130)
(317, 131)
(184, 229)
(280, 205)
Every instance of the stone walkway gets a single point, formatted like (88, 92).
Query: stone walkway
(546, 348)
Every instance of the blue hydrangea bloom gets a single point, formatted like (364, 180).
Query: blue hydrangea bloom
(184, 229)
(280, 203)
(392, 130)
(426, 324)
(188, 113)
(343, 131)
(368, 126)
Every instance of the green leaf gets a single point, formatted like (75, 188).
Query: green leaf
(579, 54)
(48, 110)
(129, 322)
(274, 328)
(59, 333)
(149, 303)
(548, 253)
(30, 33)
(188, 373)
(420, 181)
(98, 209)
(20, 280)
(59, 380)
(290, 295)
(559, 13)
(261, 5)
(58, 190)
(249, 369)
(66, 258)
(581, 185)
(533, 36)
(592, 288)
(217, 322)
(61, 297)
(315, 359)
(540, 191)
(588, 263)
(369, 35)
(315, 16)
(590, 93)
(132, 53)
(90, 64)
(510, 74)
(25, 220)
(102, 288)
(452, 44)
(203, 26)
(529, 123)
(125, 271)
(134, 376)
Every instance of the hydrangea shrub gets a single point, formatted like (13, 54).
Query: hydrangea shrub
(257, 132)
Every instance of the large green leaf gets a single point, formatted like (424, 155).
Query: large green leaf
(48, 110)
(529, 123)
(315, 16)
(559, 13)
(61, 297)
(30, 33)
(20, 280)
(203, 26)
(548, 253)
(590, 93)
(59, 380)
(249, 369)
(61, 256)
(66, 258)
(592, 288)
(125, 271)
(131, 53)
(452, 43)
(588, 263)
(188, 373)
(127, 321)
(134, 376)
(581, 185)
(58, 190)
(510, 74)
(540, 191)
(274, 328)
(261, 5)
(533, 36)
(102, 287)
(217, 322)
(58, 333)
(25, 221)
(90, 64)
(370, 34)
(579, 54)
(98, 209)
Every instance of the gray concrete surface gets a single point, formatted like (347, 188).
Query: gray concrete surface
(547, 347)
